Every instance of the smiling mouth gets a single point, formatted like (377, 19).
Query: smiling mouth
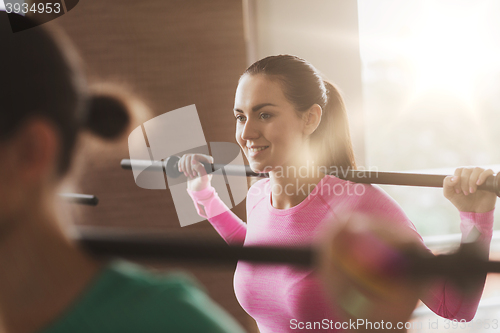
(257, 149)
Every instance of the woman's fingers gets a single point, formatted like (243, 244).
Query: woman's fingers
(449, 185)
(191, 166)
(180, 163)
(193, 163)
(479, 176)
(450, 181)
(455, 181)
(184, 165)
(483, 176)
(464, 180)
(474, 176)
(461, 190)
(198, 167)
(204, 158)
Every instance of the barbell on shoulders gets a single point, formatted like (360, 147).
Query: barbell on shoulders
(491, 184)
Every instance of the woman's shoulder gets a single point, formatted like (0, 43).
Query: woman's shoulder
(334, 188)
(356, 195)
(348, 197)
(339, 187)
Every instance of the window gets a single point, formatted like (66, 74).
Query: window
(431, 84)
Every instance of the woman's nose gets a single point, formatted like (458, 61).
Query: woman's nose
(250, 131)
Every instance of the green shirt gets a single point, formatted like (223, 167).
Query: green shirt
(126, 298)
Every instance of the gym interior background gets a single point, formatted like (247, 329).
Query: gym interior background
(420, 79)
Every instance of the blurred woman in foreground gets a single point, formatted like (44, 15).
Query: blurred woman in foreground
(47, 283)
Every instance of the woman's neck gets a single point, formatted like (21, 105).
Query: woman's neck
(42, 272)
(291, 185)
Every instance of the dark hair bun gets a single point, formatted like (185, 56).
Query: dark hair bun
(108, 114)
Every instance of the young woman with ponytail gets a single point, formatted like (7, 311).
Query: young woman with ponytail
(47, 283)
(288, 119)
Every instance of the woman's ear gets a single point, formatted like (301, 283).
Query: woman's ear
(312, 119)
(36, 150)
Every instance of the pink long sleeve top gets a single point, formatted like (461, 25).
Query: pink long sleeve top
(275, 295)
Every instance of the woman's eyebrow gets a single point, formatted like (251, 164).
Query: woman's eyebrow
(257, 107)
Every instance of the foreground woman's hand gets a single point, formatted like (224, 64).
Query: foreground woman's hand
(461, 190)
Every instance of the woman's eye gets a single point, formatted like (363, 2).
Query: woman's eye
(265, 115)
(240, 118)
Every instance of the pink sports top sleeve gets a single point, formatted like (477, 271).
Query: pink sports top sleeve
(210, 206)
(280, 297)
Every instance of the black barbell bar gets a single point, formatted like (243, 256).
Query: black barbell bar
(491, 184)
(465, 262)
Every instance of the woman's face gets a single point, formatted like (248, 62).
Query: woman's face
(268, 127)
